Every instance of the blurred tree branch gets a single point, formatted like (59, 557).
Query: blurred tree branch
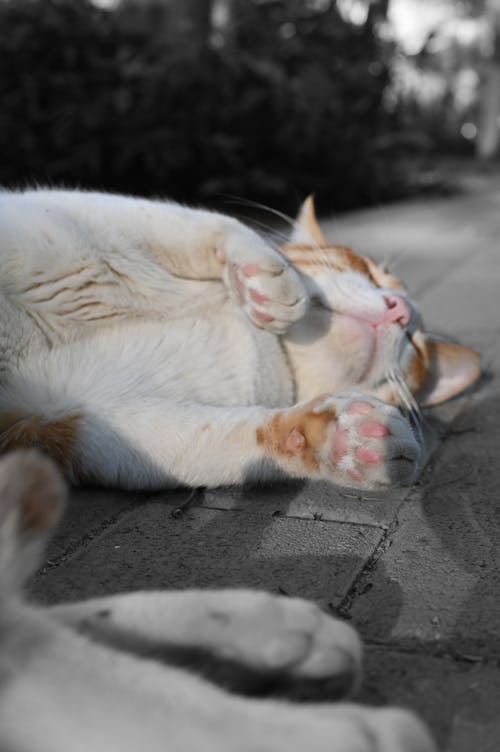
(150, 98)
(489, 108)
(187, 23)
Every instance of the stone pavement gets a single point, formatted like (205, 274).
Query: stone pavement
(417, 571)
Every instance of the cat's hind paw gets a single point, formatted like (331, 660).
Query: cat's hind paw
(268, 289)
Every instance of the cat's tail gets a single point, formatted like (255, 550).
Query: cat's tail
(30, 418)
(87, 419)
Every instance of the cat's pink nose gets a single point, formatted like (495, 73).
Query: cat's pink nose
(398, 310)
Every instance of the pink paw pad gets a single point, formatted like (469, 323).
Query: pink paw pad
(250, 270)
(359, 407)
(258, 296)
(370, 456)
(295, 441)
(373, 429)
(263, 316)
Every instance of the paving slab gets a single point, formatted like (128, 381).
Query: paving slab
(459, 699)
(310, 501)
(469, 297)
(148, 548)
(91, 510)
(439, 580)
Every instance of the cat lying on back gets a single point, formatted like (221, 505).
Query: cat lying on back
(98, 675)
(146, 345)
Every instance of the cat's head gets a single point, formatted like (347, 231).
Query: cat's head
(363, 331)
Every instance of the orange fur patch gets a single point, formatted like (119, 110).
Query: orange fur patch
(338, 257)
(56, 438)
(274, 436)
(381, 277)
(418, 368)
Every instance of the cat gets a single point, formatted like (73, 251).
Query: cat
(95, 675)
(147, 345)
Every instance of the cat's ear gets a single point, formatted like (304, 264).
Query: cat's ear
(306, 228)
(452, 368)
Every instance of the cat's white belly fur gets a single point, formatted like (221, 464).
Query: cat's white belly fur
(78, 271)
(236, 363)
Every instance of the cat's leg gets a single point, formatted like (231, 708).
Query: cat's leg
(197, 244)
(288, 640)
(351, 439)
(114, 436)
(111, 257)
(248, 640)
(80, 695)
(356, 441)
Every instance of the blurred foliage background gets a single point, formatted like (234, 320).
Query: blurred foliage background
(203, 99)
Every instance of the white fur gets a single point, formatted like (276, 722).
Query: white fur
(90, 676)
(137, 316)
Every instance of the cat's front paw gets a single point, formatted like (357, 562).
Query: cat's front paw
(265, 285)
(353, 440)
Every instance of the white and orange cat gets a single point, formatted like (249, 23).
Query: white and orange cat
(106, 675)
(148, 345)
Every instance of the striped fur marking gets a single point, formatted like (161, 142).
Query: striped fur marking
(339, 258)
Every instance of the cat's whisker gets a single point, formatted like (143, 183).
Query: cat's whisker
(397, 381)
(290, 221)
(395, 376)
(271, 233)
(257, 205)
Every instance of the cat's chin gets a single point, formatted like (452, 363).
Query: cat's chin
(372, 348)
(356, 339)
